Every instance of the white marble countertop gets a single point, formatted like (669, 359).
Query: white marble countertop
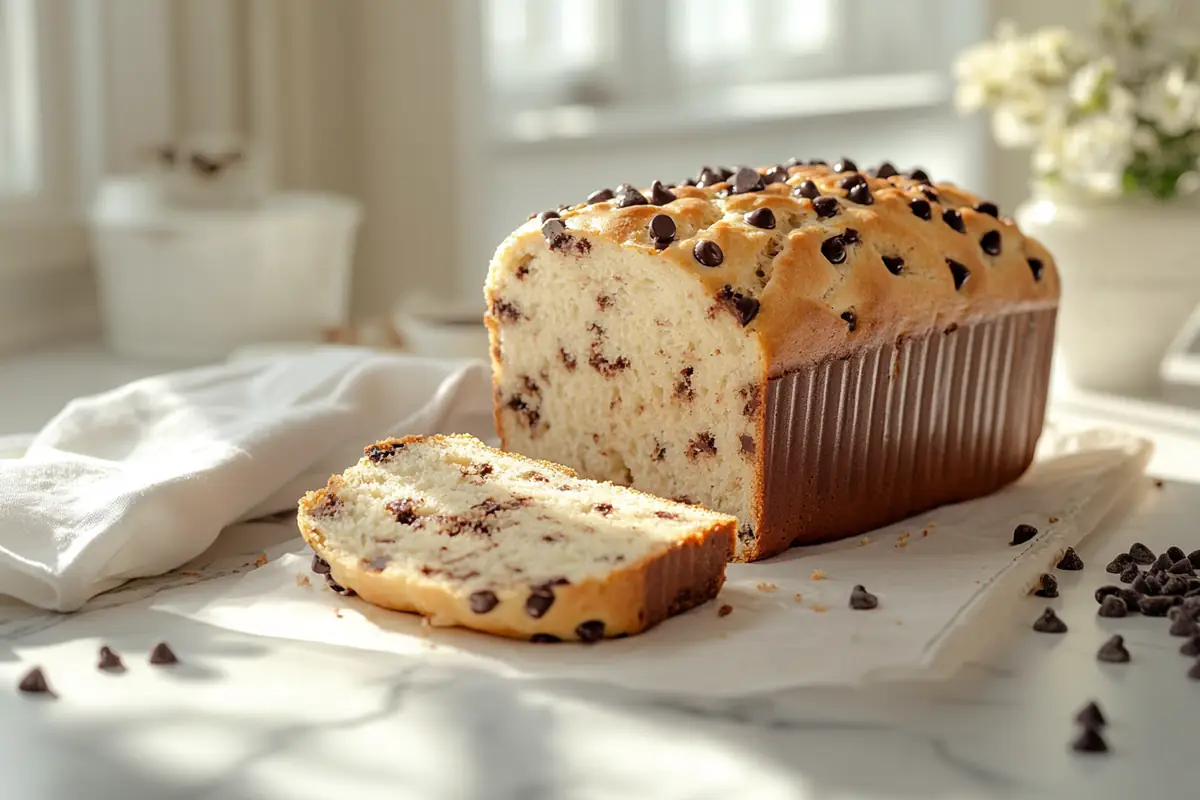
(247, 717)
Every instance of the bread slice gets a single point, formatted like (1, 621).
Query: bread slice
(467, 535)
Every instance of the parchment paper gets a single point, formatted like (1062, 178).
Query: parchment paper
(945, 581)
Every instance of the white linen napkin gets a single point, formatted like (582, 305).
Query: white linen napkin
(141, 479)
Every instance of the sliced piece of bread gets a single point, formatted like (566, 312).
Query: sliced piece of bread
(467, 535)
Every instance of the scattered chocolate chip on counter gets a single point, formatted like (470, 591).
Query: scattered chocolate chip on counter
(1022, 534)
(1174, 586)
(862, 600)
(162, 655)
(1156, 606)
(1090, 716)
(1049, 622)
(1162, 563)
(1191, 647)
(1089, 741)
(109, 661)
(34, 682)
(1184, 626)
(1194, 672)
(1145, 584)
(1119, 564)
(1132, 600)
(1194, 557)
(1141, 554)
(1182, 567)
(1105, 591)
(725, 610)
(1113, 651)
(1130, 573)
(1112, 606)
(1175, 553)
(1070, 561)
(1048, 587)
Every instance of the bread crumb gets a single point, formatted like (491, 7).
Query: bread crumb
(767, 587)
(302, 581)
(236, 571)
(901, 543)
(725, 610)
(1158, 484)
(898, 622)
(931, 525)
(261, 561)
(1052, 520)
(817, 575)
(337, 612)
(924, 534)
(820, 608)
(864, 541)
(799, 598)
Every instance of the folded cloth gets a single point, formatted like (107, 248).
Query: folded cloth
(139, 480)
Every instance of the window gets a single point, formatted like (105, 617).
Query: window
(18, 106)
(561, 56)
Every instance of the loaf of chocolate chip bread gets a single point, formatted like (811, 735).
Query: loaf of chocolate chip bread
(814, 349)
(471, 536)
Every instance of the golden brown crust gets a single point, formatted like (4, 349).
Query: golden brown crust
(628, 600)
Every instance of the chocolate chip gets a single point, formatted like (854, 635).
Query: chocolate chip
(1130, 573)
(1022, 534)
(807, 189)
(1156, 606)
(861, 194)
(850, 319)
(960, 273)
(725, 610)
(919, 175)
(483, 601)
(1194, 557)
(1090, 716)
(319, 565)
(1191, 647)
(553, 230)
(708, 253)
(1133, 601)
(662, 229)
(1175, 586)
(930, 195)
(660, 195)
(885, 170)
(1141, 554)
(544, 638)
(591, 631)
(844, 165)
(1048, 586)
(834, 249)
(404, 510)
(34, 682)
(707, 177)
(1049, 622)
(954, 219)
(539, 601)
(724, 173)
(1112, 606)
(600, 195)
(990, 243)
(1194, 672)
(1184, 626)
(747, 308)
(1036, 266)
(1113, 651)
(746, 180)
(1118, 564)
(987, 208)
(337, 588)
(109, 661)
(921, 208)
(1175, 553)
(545, 215)
(862, 600)
(761, 218)
(1181, 567)
(825, 206)
(1145, 584)
(628, 196)
(894, 264)
(1106, 591)
(776, 174)
(162, 655)
(1162, 563)
(850, 181)
(816, 162)
(1089, 741)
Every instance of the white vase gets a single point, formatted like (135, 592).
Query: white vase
(1130, 277)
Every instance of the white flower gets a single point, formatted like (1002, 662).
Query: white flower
(1088, 88)
(1172, 102)
(1096, 151)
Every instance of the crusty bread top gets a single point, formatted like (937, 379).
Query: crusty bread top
(809, 298)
